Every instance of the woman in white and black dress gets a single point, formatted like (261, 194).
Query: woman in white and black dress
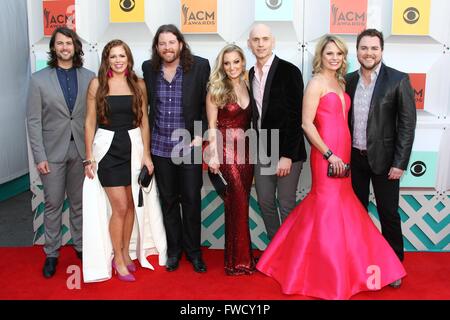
(117, 104)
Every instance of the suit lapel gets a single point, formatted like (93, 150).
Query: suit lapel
(251, 76)
(187, 79)
(380, 88)
(352, 86)
(351, 89)
(153, 81)
(57, 86)
(77, 100)
(152, 93)
(272, 70)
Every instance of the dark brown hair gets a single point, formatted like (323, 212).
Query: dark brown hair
(186, 59)
(103, 87)
(78, 46)
(370, 33)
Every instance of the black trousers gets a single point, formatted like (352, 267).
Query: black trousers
(180, 184)
(386, 196)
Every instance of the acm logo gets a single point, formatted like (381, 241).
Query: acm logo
(341, 17)
(348, 17)
(58, 14)
(418, 83)
(197, 17)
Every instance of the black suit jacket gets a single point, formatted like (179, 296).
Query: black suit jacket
(282, 108)
(194, 93)
(392, 119)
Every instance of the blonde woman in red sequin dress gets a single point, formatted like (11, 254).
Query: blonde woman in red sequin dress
(229, 112)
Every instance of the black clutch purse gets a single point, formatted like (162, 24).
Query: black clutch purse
(345, 174)
(144, 180)
(218, 182)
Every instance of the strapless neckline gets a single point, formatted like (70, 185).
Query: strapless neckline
(343, 104)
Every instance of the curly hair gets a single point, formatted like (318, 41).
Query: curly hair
(219, 85)
(186, 58)
(78, 48)
(320, 47)
(103, 88)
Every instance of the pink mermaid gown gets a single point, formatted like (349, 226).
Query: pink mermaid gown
(328, 247)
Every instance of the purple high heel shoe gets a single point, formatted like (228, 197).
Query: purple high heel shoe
(131, 267)
(128, 277)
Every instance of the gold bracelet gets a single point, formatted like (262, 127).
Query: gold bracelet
(88, 162)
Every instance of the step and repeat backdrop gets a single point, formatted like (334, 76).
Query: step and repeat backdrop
(417, 41)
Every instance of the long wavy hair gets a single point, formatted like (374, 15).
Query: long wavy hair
(219, 85)
(103, 88)
(186, 58)
(78, 48)
(320, 47)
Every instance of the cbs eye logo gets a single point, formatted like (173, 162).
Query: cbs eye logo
(418, 168)
(411, 15)
(127, 5)
(274, 4)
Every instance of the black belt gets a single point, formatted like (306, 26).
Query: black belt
(362, 153)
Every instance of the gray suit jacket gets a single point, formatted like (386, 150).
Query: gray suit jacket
(49, 121)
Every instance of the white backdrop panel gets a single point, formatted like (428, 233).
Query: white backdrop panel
(308, 21)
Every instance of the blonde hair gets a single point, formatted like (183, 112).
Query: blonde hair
(320, 47)
(219, 86)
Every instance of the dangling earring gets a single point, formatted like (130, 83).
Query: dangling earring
(109, 74)
(126, 72)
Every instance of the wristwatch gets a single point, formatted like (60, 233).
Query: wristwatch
(327, 154)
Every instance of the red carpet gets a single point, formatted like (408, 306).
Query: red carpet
(21, 278)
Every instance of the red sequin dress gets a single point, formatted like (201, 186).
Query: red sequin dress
(232, 122)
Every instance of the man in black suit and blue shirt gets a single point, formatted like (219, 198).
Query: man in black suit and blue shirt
(382, 124)
(176, 86)
(277, 94)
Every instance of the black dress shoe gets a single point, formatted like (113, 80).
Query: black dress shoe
(172, 263)
(50, 267)
(198, 264)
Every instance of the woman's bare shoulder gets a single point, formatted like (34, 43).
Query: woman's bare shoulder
(315, 85)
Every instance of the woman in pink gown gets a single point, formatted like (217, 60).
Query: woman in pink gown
(328, 247)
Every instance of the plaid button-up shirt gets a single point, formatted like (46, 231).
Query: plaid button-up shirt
(168, 115)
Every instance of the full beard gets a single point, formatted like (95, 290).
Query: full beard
(171, 59)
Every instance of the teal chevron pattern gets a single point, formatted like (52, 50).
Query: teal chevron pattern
(213, 228)
(38, 207)
(425, 220)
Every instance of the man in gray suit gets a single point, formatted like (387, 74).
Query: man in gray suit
(55, 119)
